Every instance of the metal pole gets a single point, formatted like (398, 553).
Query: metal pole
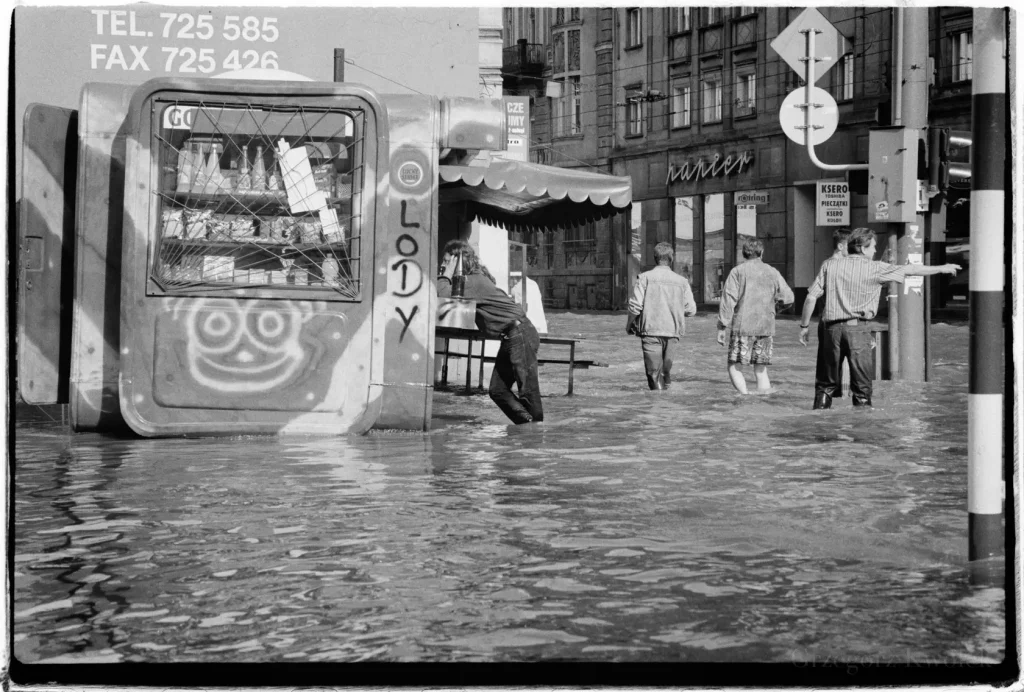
(910, 245)
(893, 288)
(988, 184)
(339, 64)
(809, 105)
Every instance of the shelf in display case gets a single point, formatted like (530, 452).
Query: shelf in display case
(268, 203)
(279, 250)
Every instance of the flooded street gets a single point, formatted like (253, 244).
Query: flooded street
(686, 525)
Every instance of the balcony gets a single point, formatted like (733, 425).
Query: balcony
(523, 58)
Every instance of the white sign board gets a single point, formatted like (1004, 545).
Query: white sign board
(824, 115)
(833, 204)
(829, 44)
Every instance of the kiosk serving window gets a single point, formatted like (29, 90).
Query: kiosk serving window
(252, 196)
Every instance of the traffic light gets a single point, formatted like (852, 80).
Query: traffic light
(949, 157)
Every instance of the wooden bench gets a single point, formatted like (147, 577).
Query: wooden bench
(472, 335)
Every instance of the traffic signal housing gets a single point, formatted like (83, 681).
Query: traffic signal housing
(949, 158)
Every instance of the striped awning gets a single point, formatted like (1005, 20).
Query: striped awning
(518, 195)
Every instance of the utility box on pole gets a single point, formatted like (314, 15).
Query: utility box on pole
(892, 175)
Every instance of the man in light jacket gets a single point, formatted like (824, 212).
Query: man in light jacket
(660, 302)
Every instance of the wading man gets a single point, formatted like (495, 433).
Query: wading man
(660, 302)
(852, 286)
(746, 315)
(499, 317)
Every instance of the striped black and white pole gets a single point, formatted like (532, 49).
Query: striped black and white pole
(985, 401)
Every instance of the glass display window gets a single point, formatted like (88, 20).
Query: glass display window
(257, 195)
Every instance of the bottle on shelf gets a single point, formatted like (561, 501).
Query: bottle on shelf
(211, 181)
(458, 279)
(273, 177)
(259, 171)
(186, 167)
(244, 177)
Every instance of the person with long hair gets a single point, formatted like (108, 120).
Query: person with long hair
(498, 316)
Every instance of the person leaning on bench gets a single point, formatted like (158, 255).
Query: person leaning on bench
(499, 317)
(852, 286)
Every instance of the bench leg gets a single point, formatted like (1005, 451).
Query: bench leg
(483, 352)
(444, 365)
(572, 365)
(469, 367)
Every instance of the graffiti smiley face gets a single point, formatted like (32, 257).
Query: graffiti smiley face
(238, 348)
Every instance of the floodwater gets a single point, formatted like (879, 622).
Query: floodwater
(686, 525)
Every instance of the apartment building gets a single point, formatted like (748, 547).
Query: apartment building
(686, 101)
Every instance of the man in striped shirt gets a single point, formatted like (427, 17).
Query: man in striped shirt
(852, 287)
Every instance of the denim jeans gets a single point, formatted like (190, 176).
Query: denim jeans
(517, 362)
(841, 340)
(658, 358)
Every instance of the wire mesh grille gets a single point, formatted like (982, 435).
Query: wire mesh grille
(251, 196)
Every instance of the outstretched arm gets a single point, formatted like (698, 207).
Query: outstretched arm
(926, 270)
(805, 318)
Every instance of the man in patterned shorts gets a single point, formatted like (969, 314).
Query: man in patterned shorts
(747, 310)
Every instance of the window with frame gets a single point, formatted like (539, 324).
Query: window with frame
(579, 246)
(634, 112)
(744, 10)
(560, 15)
(549, 250)
(678, 20)
(680, 105)
(961, 55)
(711, 97)
(574, 14)
(713, 15)
(746, 90)
(567, 109)
(252, 195)
(843, 90)
(634, 28)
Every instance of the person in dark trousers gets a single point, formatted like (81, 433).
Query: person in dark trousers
(746, 316)
(840, 238)
(498, 316)
(852, 286)
(661, 300)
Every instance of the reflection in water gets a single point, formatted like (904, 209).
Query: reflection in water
(688, 525)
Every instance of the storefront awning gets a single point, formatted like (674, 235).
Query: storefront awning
(518, 196)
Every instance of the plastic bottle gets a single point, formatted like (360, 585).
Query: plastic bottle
(186, 167)
(458, 279)
(244, 177)
(259, 171)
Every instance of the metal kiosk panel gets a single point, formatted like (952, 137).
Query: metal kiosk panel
(250, 237)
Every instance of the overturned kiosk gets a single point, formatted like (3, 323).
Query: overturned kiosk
(249, 256)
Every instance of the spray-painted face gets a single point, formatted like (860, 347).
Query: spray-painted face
(245, 348)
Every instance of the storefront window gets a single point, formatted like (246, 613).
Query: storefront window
(746, 226)
(714, 247)
(684, 236)
(250, 196)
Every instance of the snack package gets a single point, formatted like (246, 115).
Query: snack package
(173, 223)
(197, 223)
(217, 268)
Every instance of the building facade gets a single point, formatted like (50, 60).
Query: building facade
(686, 102)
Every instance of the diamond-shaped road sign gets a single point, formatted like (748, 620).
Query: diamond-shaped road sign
(829, 44)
